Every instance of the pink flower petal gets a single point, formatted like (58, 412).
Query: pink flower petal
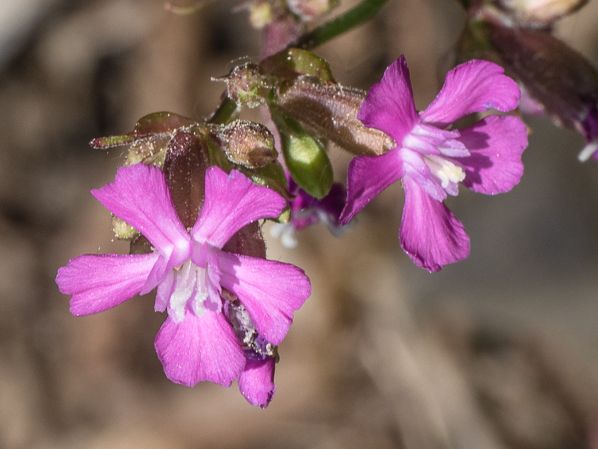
(366, 178)
(389, 104)
(231, 202)
(430, 234)
(164, 292)
(256, 382)
(200, 348)
(100, 282)
(270, 291)
(474, 86)
(496, 144)
(139, 195)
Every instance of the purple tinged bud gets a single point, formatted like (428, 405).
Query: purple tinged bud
(308, 10)
(558, 78)
(185, 165)
(246, 143)
(331, 111)
(152, 135)
(294, 62)
(260, 13)
(247, 85)
(279, 33)
(535, 13)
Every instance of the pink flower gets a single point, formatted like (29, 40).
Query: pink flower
(189, 269)
(431, 159)
(307, 211)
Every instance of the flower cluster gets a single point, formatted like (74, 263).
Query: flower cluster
(431, 159)
(205, 337)
(228, 306)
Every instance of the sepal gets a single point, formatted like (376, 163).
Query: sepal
(304, 156)
(245, 143)
(331, 111)
(294, 62)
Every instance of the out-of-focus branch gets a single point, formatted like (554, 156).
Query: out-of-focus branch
(341, 24)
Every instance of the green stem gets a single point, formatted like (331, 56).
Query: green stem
(224, 113)
(345, 22)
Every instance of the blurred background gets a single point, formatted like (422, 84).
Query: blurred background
(497, 351)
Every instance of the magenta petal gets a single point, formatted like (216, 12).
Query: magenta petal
(100, 282)
(139, 195)
(389, 104)
(430, 234)
(270, 291)
(496, 144)
(200, 348)
(164, 292)
(231, 202)
(256, 382)
(366, 178)
(473, 86)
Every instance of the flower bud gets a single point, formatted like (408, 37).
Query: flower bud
(308, 10)
(246, 143)
(560, 81)
(279, 33)
(260, 13)
(294, 62)
(537, 13)
(149, 139)
(331, 111)
(123, 230)
(247, 85)
(184, 167)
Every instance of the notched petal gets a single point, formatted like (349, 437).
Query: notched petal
(430, 234)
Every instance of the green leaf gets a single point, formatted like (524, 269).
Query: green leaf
(304, 156)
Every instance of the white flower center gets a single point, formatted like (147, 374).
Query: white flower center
(190, 284)
(444, 170)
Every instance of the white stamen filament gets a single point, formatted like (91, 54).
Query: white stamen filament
(189, 281)
(444, 170)
(286, 233)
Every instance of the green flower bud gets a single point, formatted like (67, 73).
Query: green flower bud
(247, 85)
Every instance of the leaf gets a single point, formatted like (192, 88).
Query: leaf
(304, 156)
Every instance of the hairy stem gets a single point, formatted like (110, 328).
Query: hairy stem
(225, 112)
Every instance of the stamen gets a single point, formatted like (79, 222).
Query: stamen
(190, 283)
(444, 170)
(588, 151)
(184, 284)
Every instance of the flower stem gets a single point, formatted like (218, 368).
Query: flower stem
(224, 113)
(345, 22)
